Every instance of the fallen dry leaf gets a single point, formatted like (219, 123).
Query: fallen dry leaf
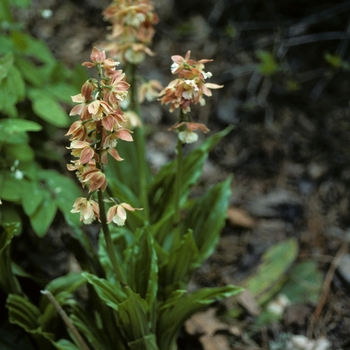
(207, 324)
(239, 217)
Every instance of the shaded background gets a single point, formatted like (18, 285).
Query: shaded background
(285, 70)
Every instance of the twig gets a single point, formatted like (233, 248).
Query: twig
(66, 319)
(328, 280)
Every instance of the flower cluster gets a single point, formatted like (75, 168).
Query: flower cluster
(189, 88)
(96, 133)
(132, 29)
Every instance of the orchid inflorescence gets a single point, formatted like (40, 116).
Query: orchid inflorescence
(189, 88)
(96, 134)
(132, 29)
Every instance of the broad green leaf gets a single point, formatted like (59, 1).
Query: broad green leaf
(15, 84)
(25, 314)
(6, 63)
(122, 238)
(161, 192)
(111, 294)
(11, 188)
(8, 281)
(13, 91)
(31, 73)
(271, 272)
(21, 3)
(182, 261)
(96, 321)
(13, 126)
(62, 92)
(47, 108)
(32, 47)
(44, 215)
(173, 316)
(64, 344)
(132, 318)
(207, 218)
(68, 283)
(147, 342)
(268, 65)
(141, 268)
(5, 11)
(32, 197)
(89, 328)
(21, 152)
(304, 283)
(9, 215)
(22, 312)
(65, 191)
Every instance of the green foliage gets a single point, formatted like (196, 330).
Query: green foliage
(268, 65)
(30, 73)
(336, 61)
(271, 273)
(156, 255)
(8, 282)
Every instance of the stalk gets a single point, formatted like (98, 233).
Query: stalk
(178, 177)
(139, 142)
(109, 243)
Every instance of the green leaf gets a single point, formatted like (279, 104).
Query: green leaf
(161, 192)
(44, 215)
(13, 91)
(62, 91)
(68, 283)
(147, 342)
(304, 283)
(9, 215)
(22, 312)
(21, 152)
(65, 192)
(132, 318)
(6, 63)
(271, 272)
(8, 281)
(14, 126)
(47, 108)
(173, 314)
(268, 65)
(5, 11)
(107, 291)
(141, 256)
(182, 261)
(11, 189)
(64, 344)
(32, 197)
(207, 218)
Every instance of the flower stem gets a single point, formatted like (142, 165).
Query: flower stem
(139, 142)
(109, 243)
(178, 177)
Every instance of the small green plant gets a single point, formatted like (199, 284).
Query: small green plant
(153, 234)
(33, 86)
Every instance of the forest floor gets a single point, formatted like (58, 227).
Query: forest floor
(285, 70)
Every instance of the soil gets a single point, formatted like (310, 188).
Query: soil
(287, 151)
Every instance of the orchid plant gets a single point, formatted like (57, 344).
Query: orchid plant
(153, 235)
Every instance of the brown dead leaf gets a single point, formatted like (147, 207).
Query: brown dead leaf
(204, 323)
(247, 300)
(215, 342)
(207, 324)
(239, 217)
